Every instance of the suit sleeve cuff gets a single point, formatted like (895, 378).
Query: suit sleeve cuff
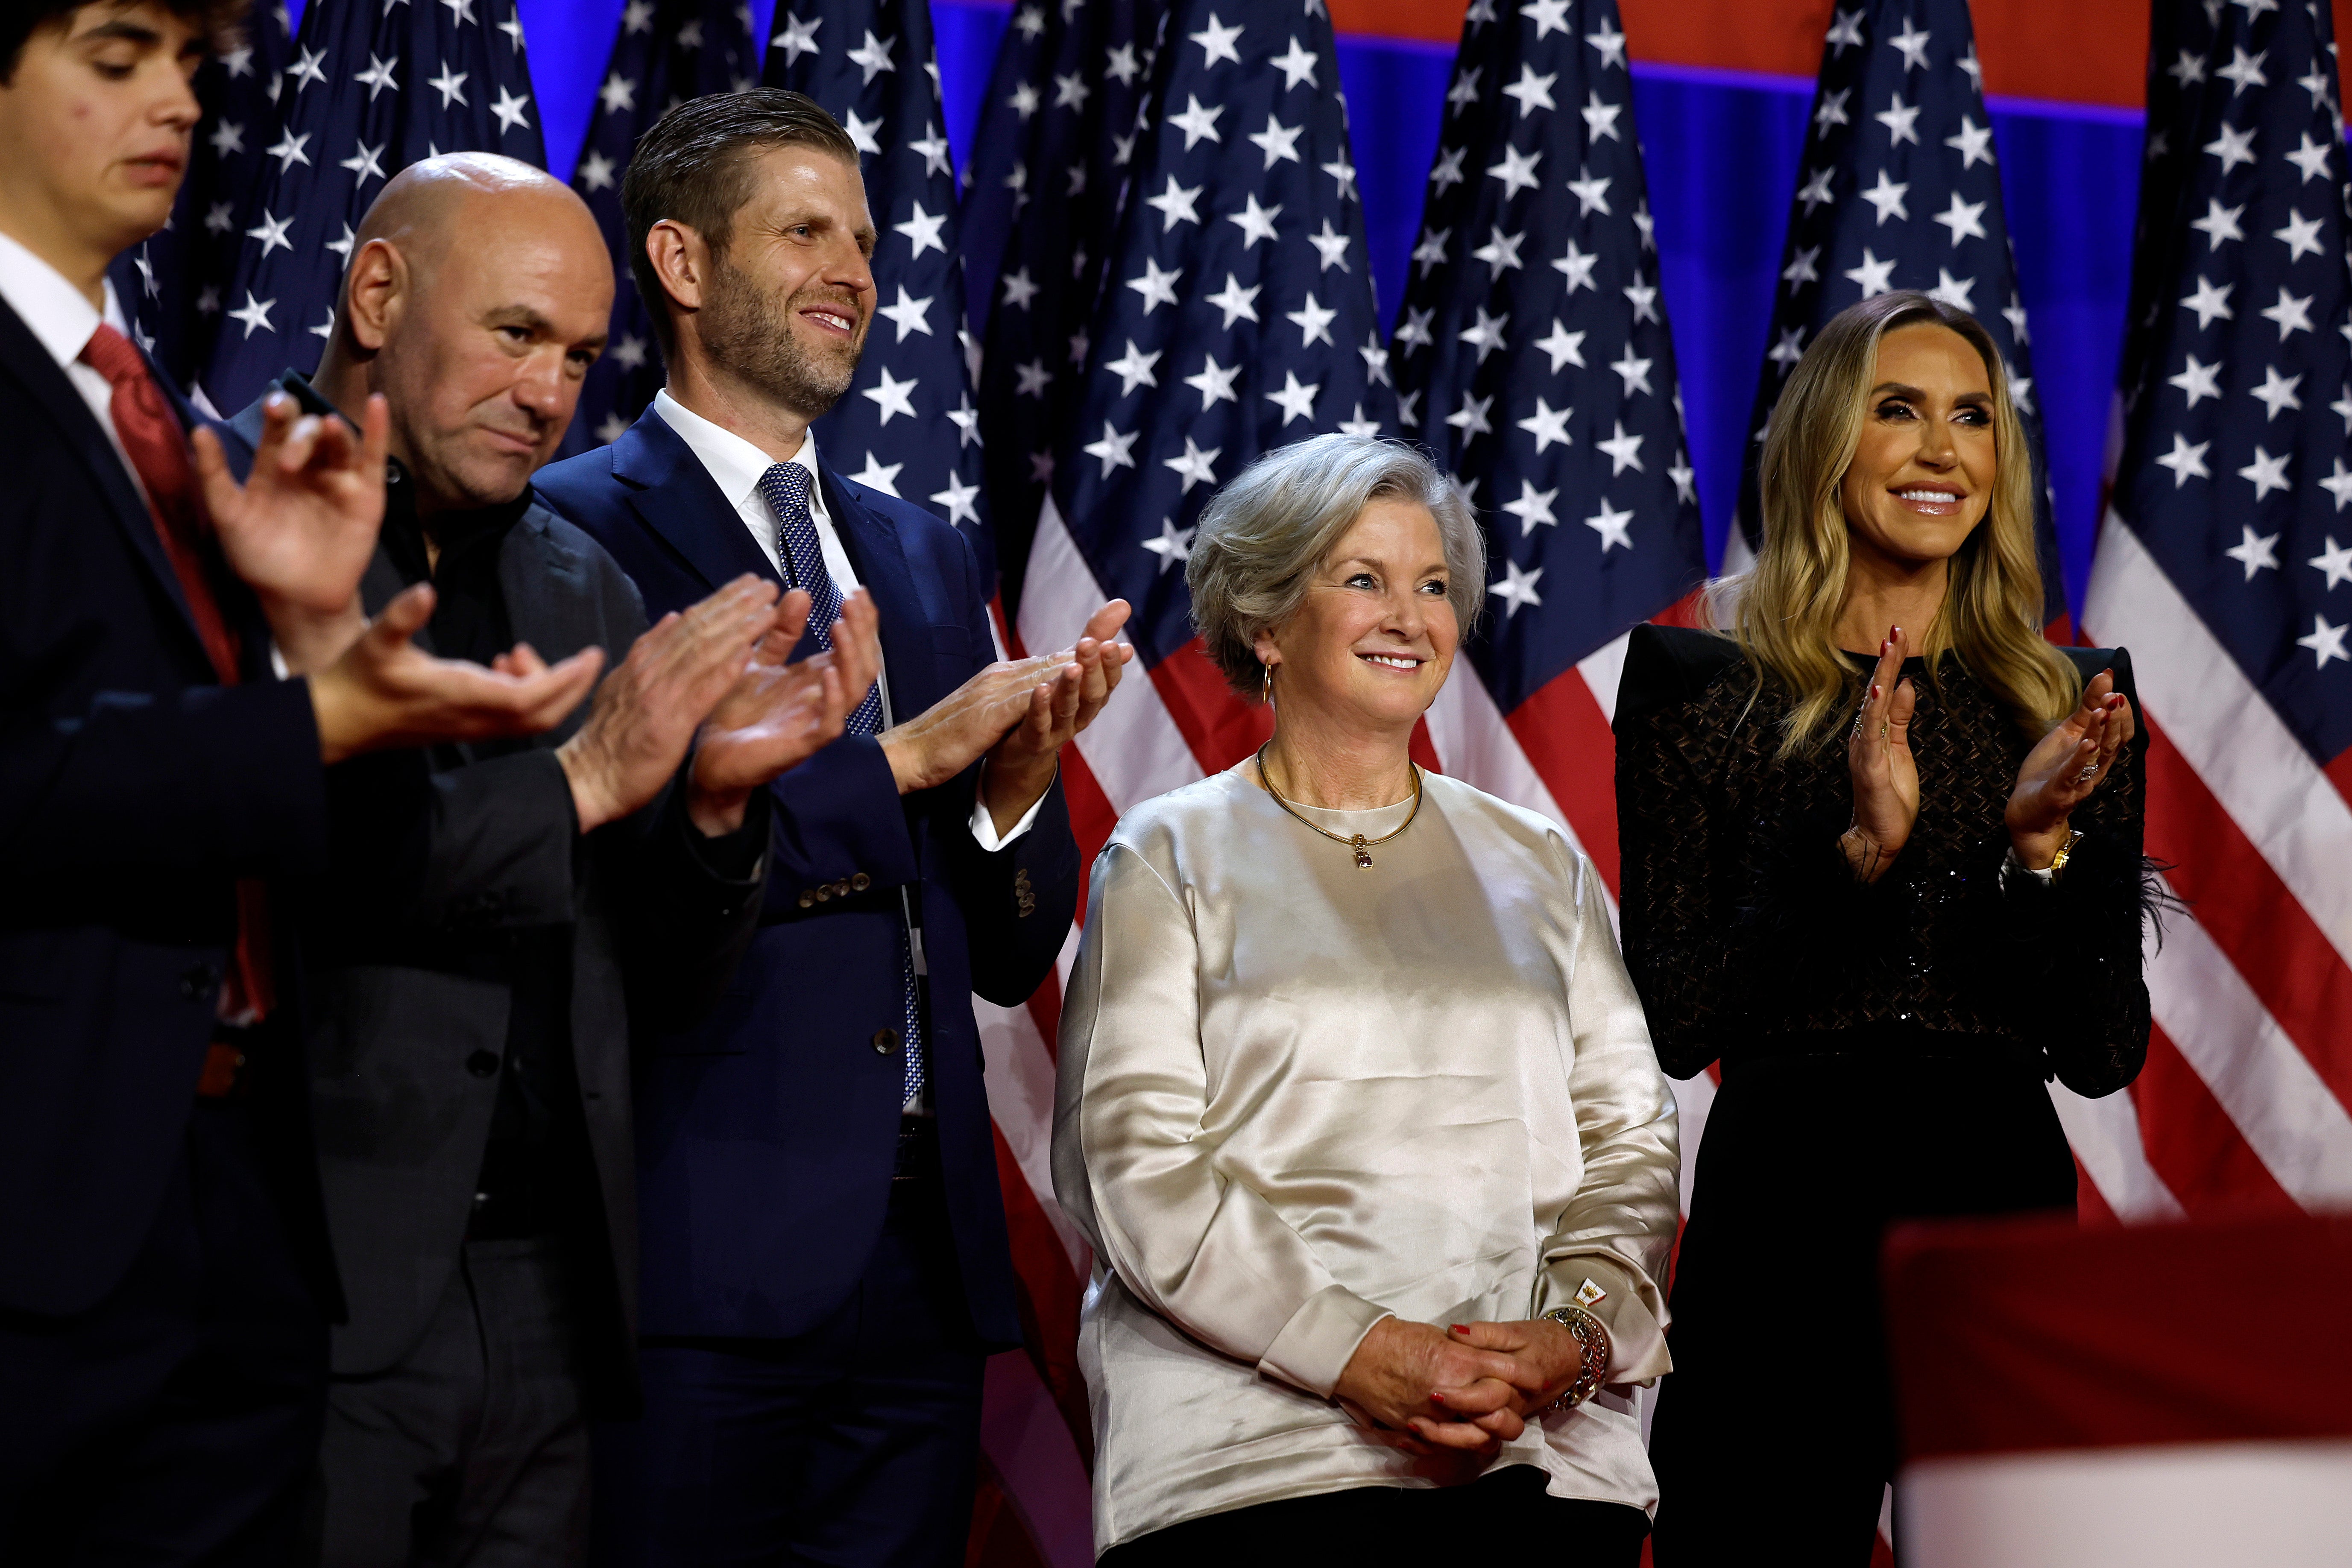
(1314, 1347)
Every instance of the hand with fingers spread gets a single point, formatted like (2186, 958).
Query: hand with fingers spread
(1433, 1388)
(778, 713)
(1885, 774)
(648, 708)
(384, 691)
(1021, 766)
(301, 529)
(2061, 772)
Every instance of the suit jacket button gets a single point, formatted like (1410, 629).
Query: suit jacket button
(482, 1063)
(197, 982)
(807, 898)
(860, 882)
(886, 1040)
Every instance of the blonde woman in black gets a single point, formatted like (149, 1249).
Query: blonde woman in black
(1881, 847)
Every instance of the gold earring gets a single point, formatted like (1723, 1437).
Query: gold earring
(1266, 687)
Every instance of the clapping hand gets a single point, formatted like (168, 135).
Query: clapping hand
(2059, 773)
(779, 713)
(647, 710)
(1885, 774)
(384, 691)
(1021, 766)
(302, 528)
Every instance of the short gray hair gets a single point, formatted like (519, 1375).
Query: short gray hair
(1262, 537)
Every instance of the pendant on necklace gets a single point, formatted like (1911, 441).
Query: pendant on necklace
(1364, 853)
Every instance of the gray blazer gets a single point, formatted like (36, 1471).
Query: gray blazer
(430, 846)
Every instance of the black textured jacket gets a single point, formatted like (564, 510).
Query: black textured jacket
(1745, 930)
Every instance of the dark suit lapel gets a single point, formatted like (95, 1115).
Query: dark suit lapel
(22, 355)
(678, 499)
(872, 541)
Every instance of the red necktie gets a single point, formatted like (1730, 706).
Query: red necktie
(158, 449)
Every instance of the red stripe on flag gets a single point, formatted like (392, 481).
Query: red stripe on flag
(2339, 773)
(2193, 1144)
(1219, 726)
(1424, 750)
(2251, 915)
(1048, 1298)
(1567, 740)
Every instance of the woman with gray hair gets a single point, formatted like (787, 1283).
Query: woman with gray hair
(1356, 1101)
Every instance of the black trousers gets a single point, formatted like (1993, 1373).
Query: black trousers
(1504, 1517)
(1775, 1434)
(175, 1422)
(854, 1444)
(473, 1450)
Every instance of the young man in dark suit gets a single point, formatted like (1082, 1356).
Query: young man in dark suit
(164, 1280)
(493, 917)
(825, 1259)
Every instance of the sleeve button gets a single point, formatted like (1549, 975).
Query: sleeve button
(860, 882)
(824, 895)
(886, 1040)
(807, 898)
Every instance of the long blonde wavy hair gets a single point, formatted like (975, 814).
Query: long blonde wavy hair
(1784, 612)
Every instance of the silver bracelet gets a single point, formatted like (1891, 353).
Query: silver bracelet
(1593, 1343)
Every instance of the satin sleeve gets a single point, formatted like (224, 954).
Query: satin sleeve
(1619, 1228)
(1133, 1167)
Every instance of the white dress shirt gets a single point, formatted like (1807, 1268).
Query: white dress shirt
(60, 318)
(737, 467)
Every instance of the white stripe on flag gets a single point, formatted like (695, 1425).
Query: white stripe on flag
(1020, 1099)
(1603, 669)
(2288, 1117)
(2226, 729)
(1133, 748)
(2105, 1134)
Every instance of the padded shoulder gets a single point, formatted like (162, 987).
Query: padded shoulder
(1667, 664)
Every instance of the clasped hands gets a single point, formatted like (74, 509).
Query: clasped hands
(1466, 1389)
(1018, 714)
(2061, 771)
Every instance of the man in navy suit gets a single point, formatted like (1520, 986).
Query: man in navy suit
(825, 1265)
(164, 1279)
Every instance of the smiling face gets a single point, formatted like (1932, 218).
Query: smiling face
(1921, 476)
(790, 298)
(96, 120)
(1371, 642)
(493, 310)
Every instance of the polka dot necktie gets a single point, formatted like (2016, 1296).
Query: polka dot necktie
(786, 487)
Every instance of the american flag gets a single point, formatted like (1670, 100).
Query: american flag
(909, 427)
(2225, 565)
(1533, 360)
(665, 51)
(369, 89)
(1899, 188)
(1049, 165)
(171, 285)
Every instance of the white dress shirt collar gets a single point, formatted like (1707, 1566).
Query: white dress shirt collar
(734, 463)
(57, 313)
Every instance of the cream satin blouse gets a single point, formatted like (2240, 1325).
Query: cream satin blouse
(1297, 1096)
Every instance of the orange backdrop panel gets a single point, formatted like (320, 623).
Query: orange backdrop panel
(2081, 51)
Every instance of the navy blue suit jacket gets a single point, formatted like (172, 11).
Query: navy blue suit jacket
(134, 791)
(766, 1137)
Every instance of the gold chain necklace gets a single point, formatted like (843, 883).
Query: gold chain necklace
(1357, 843)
